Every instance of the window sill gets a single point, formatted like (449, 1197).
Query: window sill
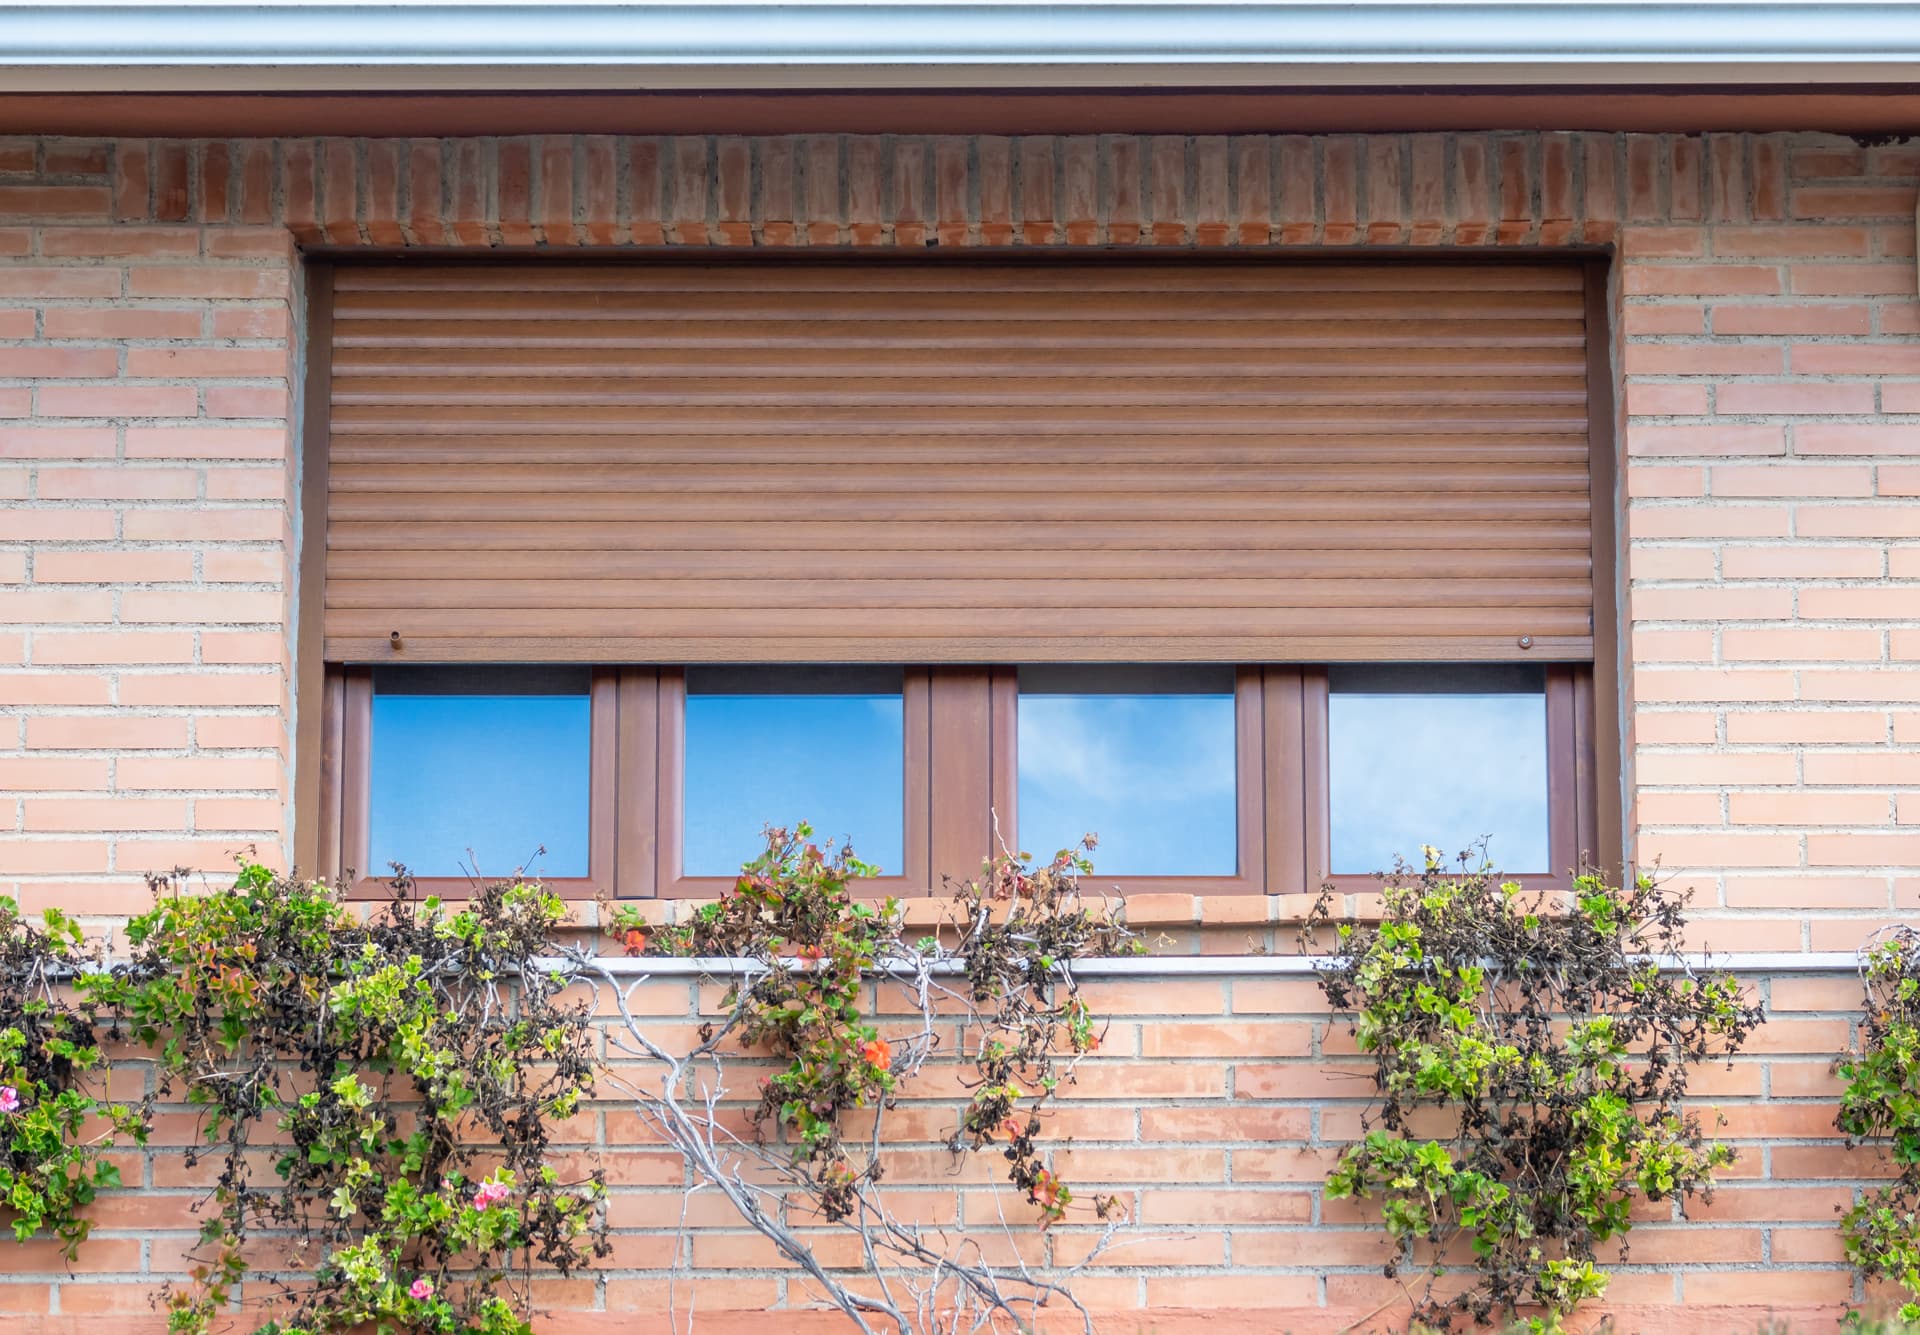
(1144, 911)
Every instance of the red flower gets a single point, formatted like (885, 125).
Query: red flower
(878, 1052)
(635, 940)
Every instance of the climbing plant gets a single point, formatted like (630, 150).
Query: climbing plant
(56, 1123)
(1553, 1042)
(414, 1065)
(378, 1088)
(810, 957)
(1881, 1105)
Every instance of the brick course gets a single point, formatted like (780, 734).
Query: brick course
(1768, 362)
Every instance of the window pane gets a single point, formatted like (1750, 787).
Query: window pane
(781, 745)
(1445, 756)
(475, 769)
(1142, 757)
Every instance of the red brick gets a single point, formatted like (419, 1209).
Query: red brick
(1650, 399)
(1289, 178)
(1718, 440)
(1704, 685)
(1213, 215)
(734, 189)
(228, 401)
(1857, 521)
(1828, 203)
(1703, 359)
(1798, 317)
(1864, 685)
(118, 400)
(1035, 159)
(68, 815)
(95, 732)
(1806, 397)
(1808, 808)
(141, 322)
(40, 857)
(1473, 205)
(57, 282)
(1701, 280)
(30, 774)
(1340, 164)
(212, 606)
(205, 362)
(1792, 480)
(252, 322)
(950, 189)
(1802, 726)
(187, 773)
(55, 201)
(56, 605)
(111, 567)
(119, 483)
(426, 185)
(216, 182)
(1801, 562)
(207, 440)
(204, 283)
(865, 184)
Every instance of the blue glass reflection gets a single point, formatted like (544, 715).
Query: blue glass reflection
(779, 746)
(465, 779)
(1147, 766)
(1441, 756)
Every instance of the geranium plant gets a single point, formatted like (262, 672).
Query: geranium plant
(1554, 1042)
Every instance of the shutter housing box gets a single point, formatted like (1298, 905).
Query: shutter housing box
(959, 461)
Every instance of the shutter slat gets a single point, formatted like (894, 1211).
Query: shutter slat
(955, 462)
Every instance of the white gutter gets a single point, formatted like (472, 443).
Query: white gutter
(313, 45)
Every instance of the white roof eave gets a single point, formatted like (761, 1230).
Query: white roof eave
(443, 45)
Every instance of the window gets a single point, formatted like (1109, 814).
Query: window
(1421, 754)
(1264, 572)
(480, 770)
(770, 744)
(1142, 756)
(647, 781)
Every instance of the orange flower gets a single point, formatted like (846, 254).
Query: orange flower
(635, 940)
(878, 1052)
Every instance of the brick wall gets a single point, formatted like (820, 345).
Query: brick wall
(1769, 376)
(1213, 1109)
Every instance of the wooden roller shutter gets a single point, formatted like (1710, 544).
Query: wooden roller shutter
(959, 462)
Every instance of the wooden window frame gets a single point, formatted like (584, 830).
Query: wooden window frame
(1250, 787)
(1572, 796)
(670, 787)
(960, 784)
(347, 791)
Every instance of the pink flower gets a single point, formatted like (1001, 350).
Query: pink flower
(9, 1099)
(422, 1288)
(491, 1193)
